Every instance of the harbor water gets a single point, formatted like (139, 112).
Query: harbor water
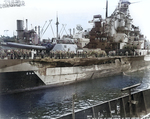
(54, 102)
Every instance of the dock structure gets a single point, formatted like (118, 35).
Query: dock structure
(118, 108)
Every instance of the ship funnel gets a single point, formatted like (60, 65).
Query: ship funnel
(20, 25)
(20, 29)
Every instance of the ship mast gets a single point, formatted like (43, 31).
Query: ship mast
(57, 23)
(106, 8)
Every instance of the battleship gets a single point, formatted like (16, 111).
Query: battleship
(115, 46)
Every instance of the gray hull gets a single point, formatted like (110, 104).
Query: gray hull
(26, 75)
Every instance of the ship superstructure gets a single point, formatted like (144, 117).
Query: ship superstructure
(28, 39)
(116, 31)
(27, 36)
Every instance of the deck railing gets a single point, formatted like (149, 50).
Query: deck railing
(118, 108)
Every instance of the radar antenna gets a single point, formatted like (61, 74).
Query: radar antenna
(79, 27)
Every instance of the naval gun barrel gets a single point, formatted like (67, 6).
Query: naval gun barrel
(23, 46)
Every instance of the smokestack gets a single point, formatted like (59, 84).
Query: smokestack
(20, 29)
(35, 28)
(106, 8)
(73, 31)
(26, 24)
(70, 31)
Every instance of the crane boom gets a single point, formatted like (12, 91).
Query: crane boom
(47, 26)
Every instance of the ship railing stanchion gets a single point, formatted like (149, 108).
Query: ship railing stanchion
(130, 99)
(73, 112)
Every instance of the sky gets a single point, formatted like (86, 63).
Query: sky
(70, 13)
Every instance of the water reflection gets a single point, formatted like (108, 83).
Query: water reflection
(53, 102)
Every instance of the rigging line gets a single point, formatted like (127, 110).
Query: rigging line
(52, 31)
(46, 27)
(43, 27)
(61, 29)
(65, 30)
